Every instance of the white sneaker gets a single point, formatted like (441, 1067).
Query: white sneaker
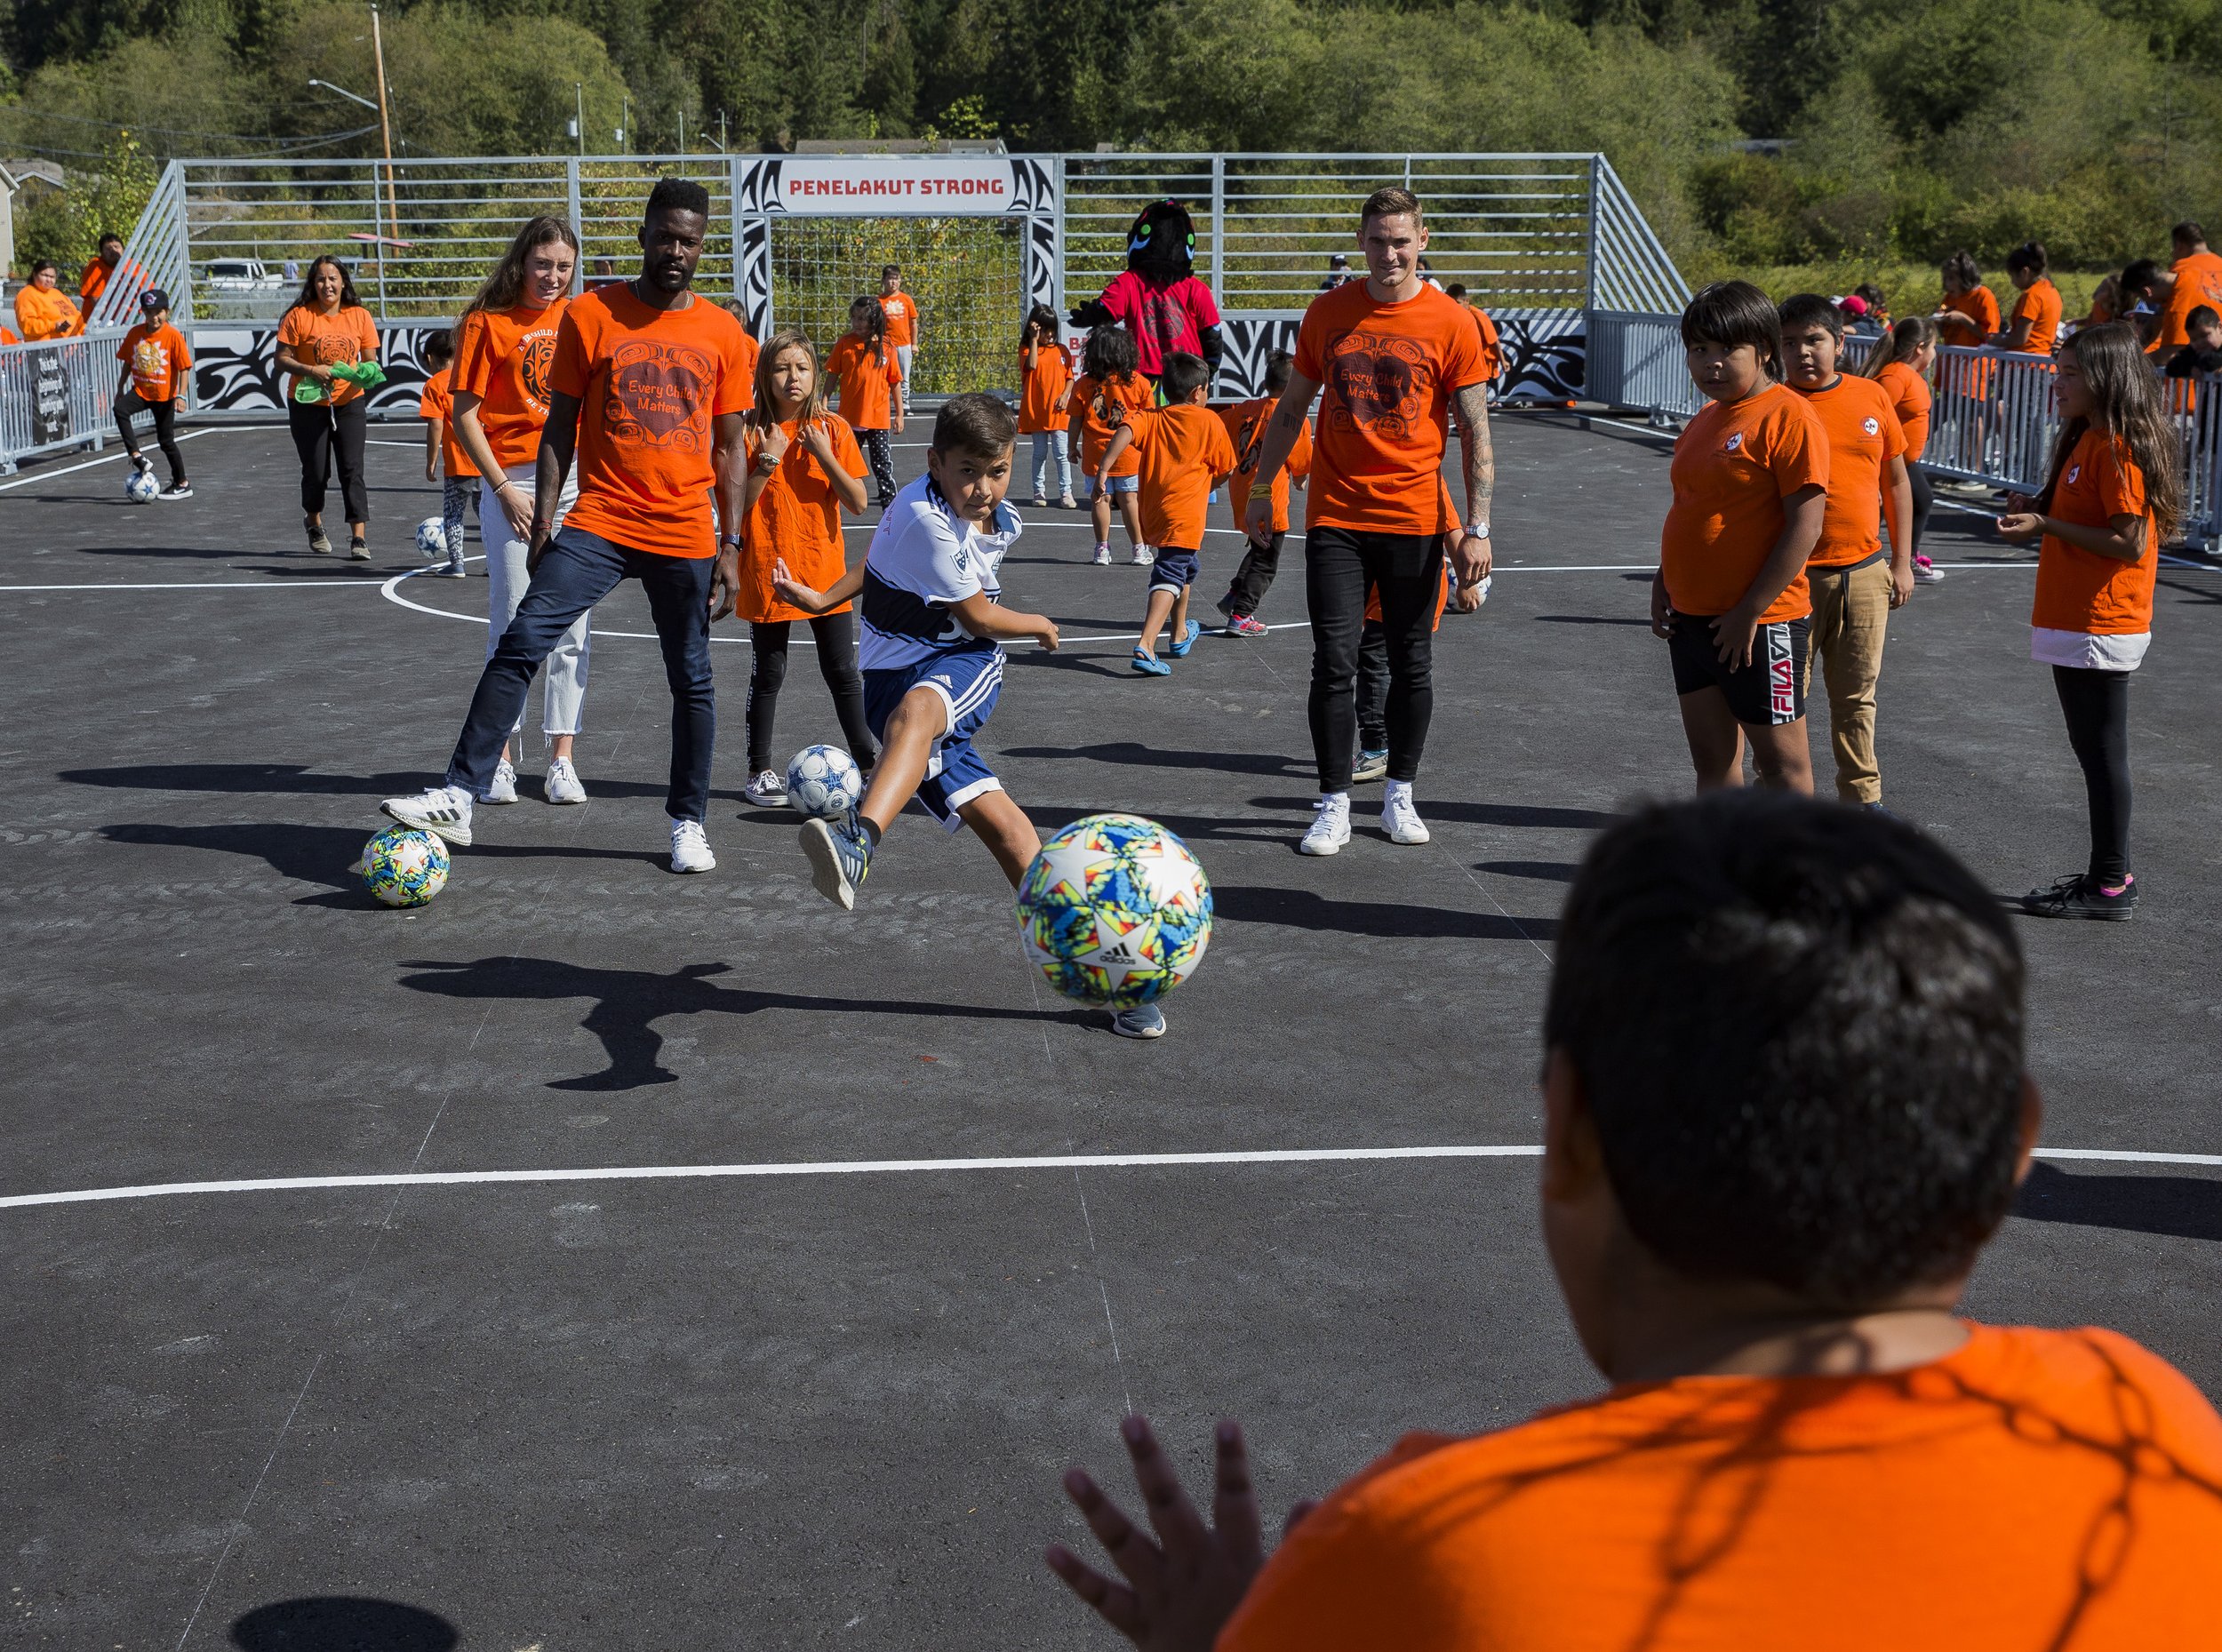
(1102, 558)
(1144, 556)
(1329, 829)
(504, 788)
(562, 784)
(444, 810)
(1400, 817)
(689, 848)
(766, 790)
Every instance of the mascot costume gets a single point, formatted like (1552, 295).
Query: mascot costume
(1158, 299)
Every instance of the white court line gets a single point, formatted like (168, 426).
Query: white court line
(883, 1167)
(109, 458)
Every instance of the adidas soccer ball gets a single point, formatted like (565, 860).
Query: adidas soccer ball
(824, 782)
(140, 487)
(1114, 911)
(403, 867)
(432, 536)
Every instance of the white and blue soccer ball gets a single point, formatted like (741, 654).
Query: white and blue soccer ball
(824, 782)
(432, 536)
(1114, 911)
(403, 867)
(140, 487)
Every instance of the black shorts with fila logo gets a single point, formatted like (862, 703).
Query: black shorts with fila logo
(1769, 691)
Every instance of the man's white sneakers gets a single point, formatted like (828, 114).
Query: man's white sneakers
(443, 810)
(503, 787)
(1400, 819)
(690, 847)
(1331, 827)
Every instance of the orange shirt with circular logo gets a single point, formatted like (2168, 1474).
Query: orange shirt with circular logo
(339, 339)
(1734, 464)
(1864, 437)
(2080, 590)
(503, 358)
(1910, 400)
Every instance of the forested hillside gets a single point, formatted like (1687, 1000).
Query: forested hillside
(1908, 126)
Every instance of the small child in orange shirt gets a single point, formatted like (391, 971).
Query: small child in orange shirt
(864, 366)
(1113, 382)
(1047, 376)
(1186, 452)
(445, 460)
(1245, 424)
(156, 359)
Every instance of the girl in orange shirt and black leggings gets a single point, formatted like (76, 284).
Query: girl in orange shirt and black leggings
(2116, 492)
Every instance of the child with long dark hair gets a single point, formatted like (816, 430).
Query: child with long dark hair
(324, 328)
(1113, 381)
(1900, 363)
(2116, 492)
(805, 469)
(864, 365)
(2035, 326)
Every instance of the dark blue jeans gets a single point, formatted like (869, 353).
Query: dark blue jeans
(577, 571)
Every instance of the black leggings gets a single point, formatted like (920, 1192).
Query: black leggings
(166, 428)
(835, 635)
(1924, 501)
(322, 432)
(2096, 705)
(1254, 577)
(882, 458)
(1339, 566)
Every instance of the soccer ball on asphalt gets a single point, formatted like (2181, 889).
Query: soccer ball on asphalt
(140, 487)
(403, 867)
(432, 536)
(1114, 911)
(824, 782)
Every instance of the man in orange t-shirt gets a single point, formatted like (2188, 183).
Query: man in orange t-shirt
(1761, 1243)
(2194, 278)
(646, 390)
(1246, 427)
(901, 311)
(1852, 581)
(93, 279)
(1186, 453)
(1392, 356)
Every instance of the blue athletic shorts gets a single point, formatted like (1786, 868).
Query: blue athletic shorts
(1116, 485)
(1174, 570)
(968, 681)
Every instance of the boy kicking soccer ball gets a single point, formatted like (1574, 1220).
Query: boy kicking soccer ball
(933, 631)
(1186, 452)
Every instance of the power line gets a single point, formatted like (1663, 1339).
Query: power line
(167, 132)
(289, 146)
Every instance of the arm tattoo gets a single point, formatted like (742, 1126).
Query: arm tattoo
(1481, 462)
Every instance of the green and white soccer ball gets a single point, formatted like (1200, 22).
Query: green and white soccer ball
(1114, 911)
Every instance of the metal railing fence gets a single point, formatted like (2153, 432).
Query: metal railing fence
(57, 395)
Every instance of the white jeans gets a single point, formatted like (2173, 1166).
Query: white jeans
(564, 696)
(902, 360)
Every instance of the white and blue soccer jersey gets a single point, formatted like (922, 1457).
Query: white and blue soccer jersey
(923, 559)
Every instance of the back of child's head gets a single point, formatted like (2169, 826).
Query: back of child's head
(2139, 277)
(1111, 355)
(1732, 313)
(1799, 1030)
(439, 350)
(1961, 270)
(1810, 309)
(1902, 343)
(1456, 290)
(980, 425)
(1278, 366)
(1181, 376)
(2028, 258)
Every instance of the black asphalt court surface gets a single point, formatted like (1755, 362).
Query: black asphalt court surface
(661, 1407)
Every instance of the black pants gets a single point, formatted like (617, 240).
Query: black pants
(882, 458)
(1254, 577)
(2097, 706)
(1924, 501)
(322, 432)
(1339, 566)
(835, 635)
(1373, 686)
(165, 414)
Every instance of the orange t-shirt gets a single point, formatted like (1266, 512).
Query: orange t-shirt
(1042, 403)
(1864, 435)
(1980, 306)
(1246, 423)
(2080, 590)
(2036, 1488)
(798, 518)
(157, 358)
(649, 383)
(901, 311)
(92, 281)
(1095, 435)
(2041, 303)
(341, 339)
(438, 401)
(2198, 280)
(1185, 452)
(1910, 400)
(1734, 464)
(1388, 372)
(7, 334)
(42, 315)
(1492, 353)
(502, 357)
(866, 384)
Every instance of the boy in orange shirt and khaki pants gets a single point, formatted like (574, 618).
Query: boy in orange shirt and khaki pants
(1853, 583)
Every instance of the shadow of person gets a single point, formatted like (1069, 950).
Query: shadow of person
(2174, 1207)
(628, 1003)
(340, 1622)
(1301, 909)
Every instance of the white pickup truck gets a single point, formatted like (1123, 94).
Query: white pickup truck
(241, 276)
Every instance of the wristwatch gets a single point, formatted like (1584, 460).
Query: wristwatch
(1477, 531)
(729, 539)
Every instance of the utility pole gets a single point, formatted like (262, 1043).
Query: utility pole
(386, 134)
(625, 122)
(579, 90)
(721, 134)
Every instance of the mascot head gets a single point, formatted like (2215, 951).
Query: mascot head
(1161, 246)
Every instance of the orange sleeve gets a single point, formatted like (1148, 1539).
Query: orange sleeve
(291, 329)
(846, 452)
(2121, 484)
(734, 391)
(365, 332)
(1797, 451)
(1300, 455)
(567, 371)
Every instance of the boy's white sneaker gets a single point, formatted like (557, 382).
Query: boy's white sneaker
(1400, 817)
(442, 809)
(563, 785)
(1331, 827)
(503, 787)
(690, 847)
